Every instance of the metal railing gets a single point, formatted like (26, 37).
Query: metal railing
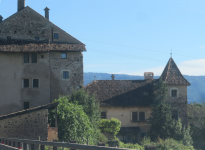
(25, 144)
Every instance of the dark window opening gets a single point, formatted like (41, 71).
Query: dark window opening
(42, 56)
(174, 93)
(55, 35)
(26, 58)
(103, 115)
(35, 83)
(37, 38)
(30, 32)
(134, 116)
(15, 32)
(8, 37)
(141, 116)
(63, 55)
(26, 83)
(26, 105)
(175, 115)
(65, 75)
(34, 58)
(128, 137)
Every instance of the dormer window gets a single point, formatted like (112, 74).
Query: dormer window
(55, 35)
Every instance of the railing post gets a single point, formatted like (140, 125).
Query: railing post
(55, 148)
(73, 141)
(42, 147)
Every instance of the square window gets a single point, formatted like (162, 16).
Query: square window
(65, 75)
(35, 83)
(26, 105)
(63, 55)
(103, 115)
(42, 56)
(26, 83)
(175, 115)
(174, 93)
(134, 116)
(141, 116)
(55, 35)
(26, 58)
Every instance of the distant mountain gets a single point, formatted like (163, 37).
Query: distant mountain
(196, 92)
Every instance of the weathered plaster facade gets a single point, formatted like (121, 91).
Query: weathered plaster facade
(27, 32)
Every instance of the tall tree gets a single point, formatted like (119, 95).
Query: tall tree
(161, 116)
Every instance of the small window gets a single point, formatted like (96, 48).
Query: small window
(26, 58)
(134, 116)
(141, 116)
(35, 83)
(55, 35)
(8, 37)
(174, 93)
(26, 105)
(175, 114)
(34, 58)
(42, 56)
(26, 83)
(37, 38)
(15, 32)
(63, 55)
(103, 115)
(65, 75)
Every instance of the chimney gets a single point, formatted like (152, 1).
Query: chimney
(148, 75)
(21, 4)
(1, 18)
(47, 13)
(113, 77)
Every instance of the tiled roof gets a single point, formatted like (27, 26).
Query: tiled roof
(47, 106)
(37, 46)
(122, 92)
(172, 75)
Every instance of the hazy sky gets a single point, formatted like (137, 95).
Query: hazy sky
(130, 36)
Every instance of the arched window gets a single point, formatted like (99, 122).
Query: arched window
(26, 58)
(34, 58)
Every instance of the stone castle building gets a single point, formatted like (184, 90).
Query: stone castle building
(130, 100)
(38, 60)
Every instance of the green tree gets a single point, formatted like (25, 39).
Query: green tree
(163, 126)
(161, 116)
(73, 123)
(196, 114)
(111, 126)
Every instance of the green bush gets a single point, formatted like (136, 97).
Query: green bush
(168, 144)
(131, 146)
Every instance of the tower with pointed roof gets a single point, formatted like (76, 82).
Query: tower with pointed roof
(38, 60)
(177, 90)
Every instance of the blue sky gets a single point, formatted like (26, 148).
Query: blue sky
(130, 36)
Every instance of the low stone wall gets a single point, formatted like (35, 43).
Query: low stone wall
(26, 126)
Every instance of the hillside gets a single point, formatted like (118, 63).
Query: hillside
(196, 92)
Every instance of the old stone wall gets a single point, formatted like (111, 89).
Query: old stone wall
(73, 64)
(179, 103)
(26, 126)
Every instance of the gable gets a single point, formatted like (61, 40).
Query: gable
(172, 75)
(27, 24)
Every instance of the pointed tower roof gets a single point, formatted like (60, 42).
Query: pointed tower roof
(172, 75)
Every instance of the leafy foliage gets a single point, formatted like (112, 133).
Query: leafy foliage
(196, 113)
(111, 126)
(75, 121)
(168, 143)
